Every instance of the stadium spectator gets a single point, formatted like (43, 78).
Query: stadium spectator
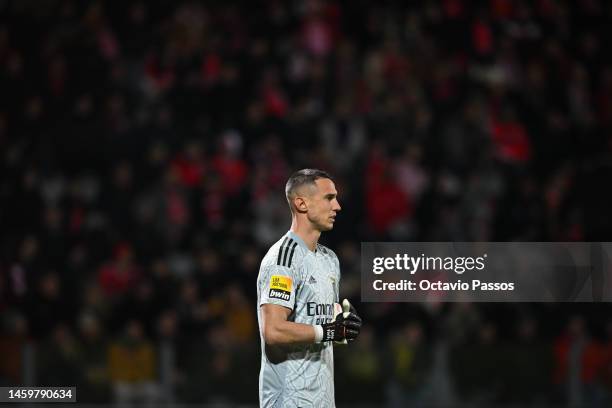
(530, 364)
(60, 358)
(119, 275)
(410, 359)
(606, 366)
(365, 371)
(578, 361)
(95, 379)
(12, 339)
(132, 364)
(478, 367)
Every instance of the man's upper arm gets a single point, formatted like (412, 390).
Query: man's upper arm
(274, 313)
(278, 286)
(276, 303)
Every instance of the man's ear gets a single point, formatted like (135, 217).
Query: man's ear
(300, 204)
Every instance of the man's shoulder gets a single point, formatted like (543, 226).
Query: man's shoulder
(326, 251)
(285, 252)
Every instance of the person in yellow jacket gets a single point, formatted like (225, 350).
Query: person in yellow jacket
(132, 366)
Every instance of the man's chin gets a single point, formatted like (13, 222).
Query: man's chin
(324, 228)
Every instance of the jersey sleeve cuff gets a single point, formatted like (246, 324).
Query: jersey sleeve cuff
(318, 333)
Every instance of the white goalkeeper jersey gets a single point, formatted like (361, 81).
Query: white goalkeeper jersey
(306, 282)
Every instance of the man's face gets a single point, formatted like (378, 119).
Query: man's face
(323, 204)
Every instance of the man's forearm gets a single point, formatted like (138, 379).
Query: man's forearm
(287, 332)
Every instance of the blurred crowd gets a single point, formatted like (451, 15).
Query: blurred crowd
(144, 149)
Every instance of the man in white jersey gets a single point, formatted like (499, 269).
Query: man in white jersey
(297, 295)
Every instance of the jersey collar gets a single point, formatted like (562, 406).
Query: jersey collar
(299, 240)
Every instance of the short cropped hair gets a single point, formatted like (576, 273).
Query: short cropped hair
(302, 178)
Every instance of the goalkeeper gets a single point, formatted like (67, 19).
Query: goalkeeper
(297, 292)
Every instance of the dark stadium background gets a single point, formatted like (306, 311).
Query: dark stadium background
(144, 148)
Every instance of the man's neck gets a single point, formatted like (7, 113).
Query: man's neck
(309, 235)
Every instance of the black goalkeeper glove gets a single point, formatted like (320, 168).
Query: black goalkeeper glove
(345, 328)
